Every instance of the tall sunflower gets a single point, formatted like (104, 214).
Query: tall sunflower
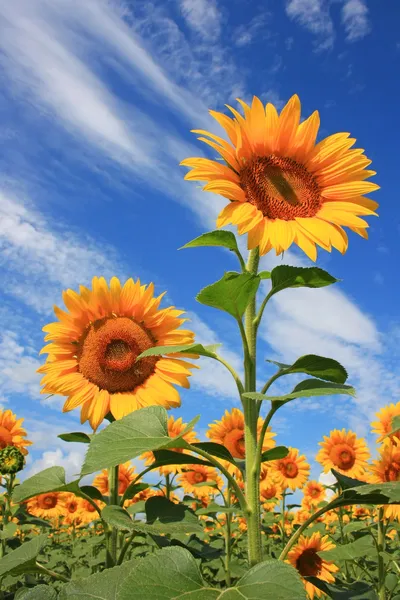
(304, 557)
(11, 432)
(284, 188)
(384, 425)
(292, 471)
(229, 432)
(94, 345)
(344, 451)
(175, 428)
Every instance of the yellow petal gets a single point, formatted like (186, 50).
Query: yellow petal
(289, 120)
(345, 191)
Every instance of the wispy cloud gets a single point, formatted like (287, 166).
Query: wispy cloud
(203, 17)
(355, 19)
(255, 29)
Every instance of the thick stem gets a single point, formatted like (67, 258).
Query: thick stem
(381, 562)
(167, 486)
(283, 518)
(251, 412)
(228, 538)
(51, 573)
(112, 538)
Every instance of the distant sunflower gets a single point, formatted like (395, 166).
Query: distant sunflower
(72, 509)
(384, 424)
(93, 350)
(304, 557)
(193, 475)
(387, 467)
(88, 513)
(126, 474)
(175, 428)
(229, 432)
(50, 505)
(314, 493)
(292, 471)
(345, 452)
(270, 489)
(284, 188)
(11, 432)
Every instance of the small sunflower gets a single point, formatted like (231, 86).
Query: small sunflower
(229, 432)
(193, 475)
(11, 432)
(50, 505)
(72, 509)
(345, 452)
(95, 343)
(384, 424)
(292, 471)
(304, 557)
(88, 513)
(175, 428)
(282, 187)
(314, 493)
(270, 489)
(126, 474)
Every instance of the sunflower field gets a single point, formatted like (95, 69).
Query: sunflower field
(235, 515)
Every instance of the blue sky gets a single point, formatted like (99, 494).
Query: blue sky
(97, 100)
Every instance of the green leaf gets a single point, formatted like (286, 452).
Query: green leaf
(39, 592)
(214, 508)
(378, 493)
(217, 450)
(275, 453)
(209, 351)
(232, 293)
(284, 276)
(319, 366)
(346, 482)
(100, 586)
(169, 457)
(172, 574)
(93, 492)
(214, 238)
(76, 436)
(140, 431)
(264, 275)
(49, 480)
(395, 427)
(8, 531)
(23, 559)
(363, 546)
(133, 489)
(306, 389)
(356, 591)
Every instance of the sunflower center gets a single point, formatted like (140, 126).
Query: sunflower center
(280, 188)
(290, 470)
(199, 477)
(72, 507)
(314, 492)
(5, 437)
(309, 563)
(343, 456)
(47, 501)
(392, 471)
(234, 441)
(107, 354)
(269, 492)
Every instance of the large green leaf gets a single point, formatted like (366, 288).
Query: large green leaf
(317, 366)
(209, 351)
(284, 276)
(172, 574)
(384, 493)
(355, 591)
(8, 531)
(214, 238)
(363, 546)
(275, 453)
(306, 389)
(169, 457)
(101, 586)
(49, 480)
(23, 559)
(216, 449)
(140, 431)
(39, 592)
(232, 293)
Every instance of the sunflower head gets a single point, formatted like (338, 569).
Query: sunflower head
(200, 480)
(11, 460)
(292, 471)
(94, 346)
(344, 451)
(384, 425)
(282, 186)
(11, 432)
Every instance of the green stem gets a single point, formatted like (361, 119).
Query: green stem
(232, 371)
(228, 539)
(300, 530)
(283, 518)
(167, 487)
(50, 573)
(257, 319)
(240, 257)
(7, 512)
(112, 537)
(251, 412)
(125, 548)
(381, 562)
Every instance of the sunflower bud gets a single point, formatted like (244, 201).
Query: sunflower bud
(11, 460)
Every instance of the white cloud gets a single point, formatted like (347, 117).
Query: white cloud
(203, 16)
(71, 461)
(17, 368)
(355, 19)
(246, 34)
(314, 16)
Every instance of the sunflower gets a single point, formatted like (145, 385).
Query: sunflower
(126, 474)
(345, 452)
(304, 557)
(50, 505)
(282, 187)
(292, 471)
(95, 343)
(193, 475)
(314, 494)
(229, 432)
(11, 432)
(72, 509)
(270, 489)
(88, 513)
(175, 428)
(384, 424)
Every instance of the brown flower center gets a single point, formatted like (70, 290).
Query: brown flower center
(199, 477)
(269, 492)
(392, 471)
(234, 441)
(280, 188)
(309, 563)
(343, 456)
(289, 469)
(108, 350)
(5, 437)
(315, 492)
(47, 501)
(72, 506)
